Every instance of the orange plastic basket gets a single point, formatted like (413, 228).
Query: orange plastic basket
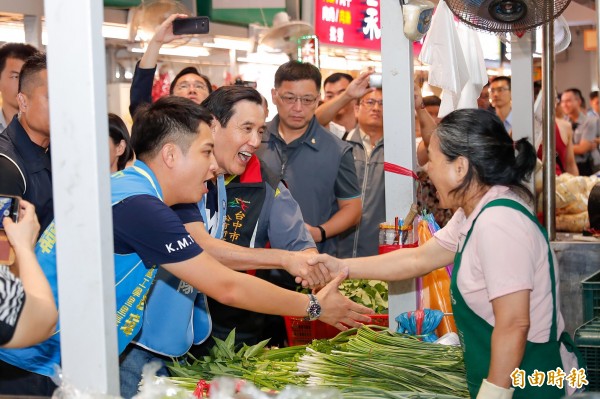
(302, 332)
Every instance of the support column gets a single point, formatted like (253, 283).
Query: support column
(79, 126)
(399, 133)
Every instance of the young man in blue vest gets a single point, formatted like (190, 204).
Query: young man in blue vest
(174, 145)
(246, 206)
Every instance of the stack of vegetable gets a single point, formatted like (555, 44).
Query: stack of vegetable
(362, 364)
(389, 361)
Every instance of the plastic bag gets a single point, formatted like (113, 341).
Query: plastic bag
(435, 286)
(420, 323)
(230, 388)
(153, 387)
(66, 390)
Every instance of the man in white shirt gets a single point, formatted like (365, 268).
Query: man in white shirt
(341, 94)
(500, 97)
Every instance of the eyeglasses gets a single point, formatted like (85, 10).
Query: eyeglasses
(187, 85)
(498, 89)
(370, 103)
(291, 100)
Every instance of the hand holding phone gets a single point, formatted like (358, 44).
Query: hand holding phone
(190, 26)
(25, 232)
(9, 208)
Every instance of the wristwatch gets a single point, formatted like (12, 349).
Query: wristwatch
(314, 308)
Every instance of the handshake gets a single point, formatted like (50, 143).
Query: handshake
(311, 269)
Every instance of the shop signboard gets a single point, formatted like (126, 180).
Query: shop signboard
(349, 23)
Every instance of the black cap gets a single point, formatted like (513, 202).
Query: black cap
(186, 71)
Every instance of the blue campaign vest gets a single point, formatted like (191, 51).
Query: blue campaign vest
(132, 279)
(177, 314)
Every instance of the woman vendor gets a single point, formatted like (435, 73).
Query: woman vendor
(505, 281)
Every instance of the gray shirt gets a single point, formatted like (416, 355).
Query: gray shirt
(318, 169)
(585, 128)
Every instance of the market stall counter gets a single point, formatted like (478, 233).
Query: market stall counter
(578, 260)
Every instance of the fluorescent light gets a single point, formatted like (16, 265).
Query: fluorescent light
(229, 44)
(11, 32)
(14, 32)
(114, 31)
(265, 58)
(181, 51)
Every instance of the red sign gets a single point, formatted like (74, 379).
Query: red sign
(349, 23)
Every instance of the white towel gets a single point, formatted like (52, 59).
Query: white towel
(443, 52)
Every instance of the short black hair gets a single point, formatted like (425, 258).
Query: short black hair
(293, 71)
(577, 93)
(594, 95)
(117, 131)
(431, 100)
(194, 71)
(170, 119)
(32, 66)
(336, 77)
(20, 51)
(220, 102)
(479, 136)
(503, 79)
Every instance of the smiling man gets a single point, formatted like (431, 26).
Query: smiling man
(174, 145)
(248, 207)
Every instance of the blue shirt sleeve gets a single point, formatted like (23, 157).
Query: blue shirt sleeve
(141, 88)
(145, 225)
(286, 225)
(346, 183)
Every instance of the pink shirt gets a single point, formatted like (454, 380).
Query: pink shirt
(506, 253)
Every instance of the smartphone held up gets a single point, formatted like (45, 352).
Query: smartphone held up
(9, 207)
(190, 26)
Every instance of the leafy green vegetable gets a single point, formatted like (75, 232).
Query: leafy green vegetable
(370, 293)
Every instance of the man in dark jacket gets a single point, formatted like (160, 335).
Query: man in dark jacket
(25, 168)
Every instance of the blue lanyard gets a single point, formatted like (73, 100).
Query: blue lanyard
(221, 208)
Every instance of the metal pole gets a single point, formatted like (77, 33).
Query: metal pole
(548, 124)
(598, 41)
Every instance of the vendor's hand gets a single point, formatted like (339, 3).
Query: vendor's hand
(24, 233)
(359, 86)
(164, 33)
(311, 276)
(334, 265)
(491, 391)
(339, 311)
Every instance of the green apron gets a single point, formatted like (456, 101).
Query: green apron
(476, 334)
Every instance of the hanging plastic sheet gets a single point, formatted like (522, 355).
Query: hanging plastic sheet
(443, 52)
(433, 289)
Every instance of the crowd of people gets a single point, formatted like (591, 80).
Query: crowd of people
(245, 212)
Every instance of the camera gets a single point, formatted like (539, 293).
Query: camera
(375, 80)
(9, 207)
(190, 26)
